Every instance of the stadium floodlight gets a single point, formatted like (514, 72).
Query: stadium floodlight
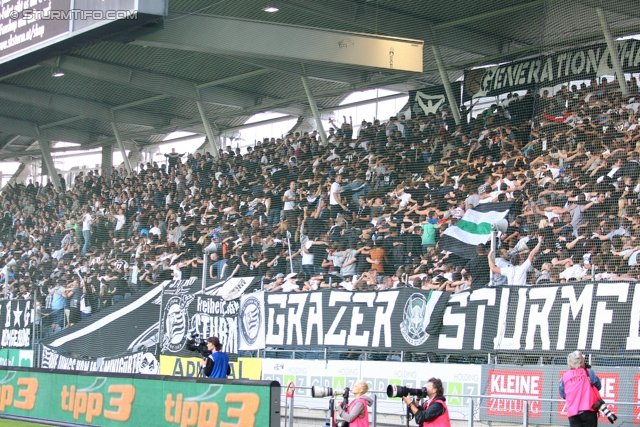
(57, 73)
(270, 9)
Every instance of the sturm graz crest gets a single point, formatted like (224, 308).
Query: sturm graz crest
(175, 324)
(415, 319)
(251, 319)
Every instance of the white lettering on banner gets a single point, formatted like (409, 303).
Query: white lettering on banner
(383, 317)
(604, 316)
(225, 328)
(218, 307)
(458, 319)
(503, 383)
(515, 384)
(286, 326)
(14, 338)
(137, 363)
(281, 300)
(574, 307)
(633, 340)
(294, 319)
(315, 318)
(540, 318)
(501, 342)
(563, 66)
(331, 338)
(484, 294)
(357, 318)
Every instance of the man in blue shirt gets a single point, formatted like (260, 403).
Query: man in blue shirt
(58, 293)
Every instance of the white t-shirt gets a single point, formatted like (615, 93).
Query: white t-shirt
(120, 221)
(86, 222)
(335, 189)
(289, 206)
(347, 285)
(307, 259)
(517, 275)
(289, 286)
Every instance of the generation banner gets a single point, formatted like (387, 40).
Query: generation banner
(457, 380)
(593, 317)
(549, 70)
(112, 401)
(431, 99)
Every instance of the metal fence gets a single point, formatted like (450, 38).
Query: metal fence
(475, 404)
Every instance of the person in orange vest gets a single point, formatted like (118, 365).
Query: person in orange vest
(434, 413)
(356, 413)
(575, 388)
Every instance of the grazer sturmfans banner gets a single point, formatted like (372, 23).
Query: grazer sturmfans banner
(594, 317)
(549, 70)
(129, 330)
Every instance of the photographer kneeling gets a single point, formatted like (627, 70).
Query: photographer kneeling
(434, 412)
(356, 414)
(216, 365)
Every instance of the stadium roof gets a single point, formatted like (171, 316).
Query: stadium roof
(148, 81)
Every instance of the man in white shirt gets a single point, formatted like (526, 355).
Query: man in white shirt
(86, 230)
(120, 221)
(516, 275)
(335, 204)
(289, 204)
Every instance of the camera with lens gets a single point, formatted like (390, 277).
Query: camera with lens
(198, 344)
(601, 406)
(401, 391)
(333, 392)
(328, 391)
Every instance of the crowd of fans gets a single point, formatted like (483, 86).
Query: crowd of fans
(362, 211)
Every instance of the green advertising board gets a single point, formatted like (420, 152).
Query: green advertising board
(16, 357)
(118, 400)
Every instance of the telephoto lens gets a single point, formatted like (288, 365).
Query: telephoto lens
(401, 391)
(317, 391)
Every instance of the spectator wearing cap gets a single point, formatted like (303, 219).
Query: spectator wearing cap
(277, 283)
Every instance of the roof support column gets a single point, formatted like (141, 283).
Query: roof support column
(125, 159)
(453, 103)
(313, 106)
(615, 58)
(48, 161)
(107, 160)
(207, 129)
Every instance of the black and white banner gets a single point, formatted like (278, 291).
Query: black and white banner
(188, 314)
(395, 319)
(431, 99)
(251, 332)
(132, 325)
(578, 64)
(16, 323)
(594, 317)
(135, 363)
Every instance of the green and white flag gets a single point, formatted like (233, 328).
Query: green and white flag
(473, 229)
